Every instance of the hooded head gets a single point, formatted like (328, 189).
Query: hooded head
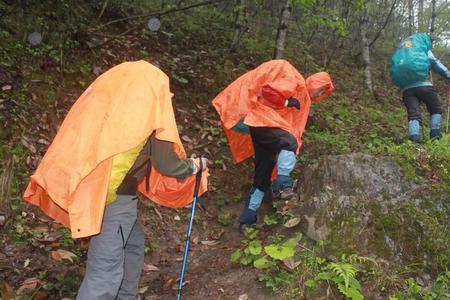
(319, 86)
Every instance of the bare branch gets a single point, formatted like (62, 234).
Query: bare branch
(160, 13)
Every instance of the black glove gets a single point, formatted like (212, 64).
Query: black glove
(293, 102)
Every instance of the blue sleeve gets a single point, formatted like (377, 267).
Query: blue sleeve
(437, 66)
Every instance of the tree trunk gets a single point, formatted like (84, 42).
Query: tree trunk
(433, 18)
(366, 53)
(420, 20)
(282, 30)
(411, 16)
(239, 20)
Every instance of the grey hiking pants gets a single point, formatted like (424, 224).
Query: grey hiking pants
(115, 255)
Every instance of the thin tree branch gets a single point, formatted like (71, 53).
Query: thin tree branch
(159, 13)
(105, 4)
(386, 21)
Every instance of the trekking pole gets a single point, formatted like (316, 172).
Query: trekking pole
(189, 230)
(448, 108)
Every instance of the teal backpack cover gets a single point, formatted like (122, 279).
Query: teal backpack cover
(410, 60)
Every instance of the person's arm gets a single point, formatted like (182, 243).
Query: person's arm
(437, 66)
(167, 162)
(276, 99)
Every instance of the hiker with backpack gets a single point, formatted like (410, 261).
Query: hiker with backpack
(411, 65)
(264, 113)
(119, 139)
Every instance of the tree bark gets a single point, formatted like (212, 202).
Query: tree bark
(433, 18)
(420, 20)
(239, 21)
(366, 53)
(282, 30)
(411, 16)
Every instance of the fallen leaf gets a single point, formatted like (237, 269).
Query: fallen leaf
(292, 222)
(152, 297)
(26, 263)
(6, 87)
(195, 240)
(168, 284)
(61, 254)
(291, 263)
(186, 139)
(28, 145)
(177, 218)
(51, 237)
(43, 141)
(158, 213)
(150, 268)
(218, 235)
(28, 285)
(210, 243)
(6, 291)
(2, 220)
(142, 290)
(243, 297)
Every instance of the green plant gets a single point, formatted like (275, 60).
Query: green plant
(265, 258)
(271, 219)
(225, 219)
(343, 275)
(66, 239)
(440, 289)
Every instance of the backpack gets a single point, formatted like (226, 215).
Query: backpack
(410, 62)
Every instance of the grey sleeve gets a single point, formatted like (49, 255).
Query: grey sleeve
(437, 66)
(167, 162)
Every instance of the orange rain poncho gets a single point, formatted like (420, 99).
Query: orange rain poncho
(117, 112)
(242, 99)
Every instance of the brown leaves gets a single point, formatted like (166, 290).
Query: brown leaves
(292, 222)
(60, 255)
(290, 263)
(150, 268)
(210, 243)
(26, 142)
(6, 291)
(186, 139)
(27, 286)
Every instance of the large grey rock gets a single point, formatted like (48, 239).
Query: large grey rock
(363, 204)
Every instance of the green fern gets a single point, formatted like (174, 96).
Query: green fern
(343, 270)
(343, 274)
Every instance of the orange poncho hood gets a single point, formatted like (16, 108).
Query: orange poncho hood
(241, 99)
(117, 112)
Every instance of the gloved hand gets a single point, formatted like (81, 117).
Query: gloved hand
(197, 164)
(292, 102)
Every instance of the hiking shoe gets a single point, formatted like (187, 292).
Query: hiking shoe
(285, 195)
(435, 134)
(248, 216)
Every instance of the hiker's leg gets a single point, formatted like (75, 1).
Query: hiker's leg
(285, 165)
(282, 143)
(104, 267)
(134, 262)
(264, 162)
(430, 97)
(412, 105)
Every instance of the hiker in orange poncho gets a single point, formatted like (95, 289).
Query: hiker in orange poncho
(119, 138)
(264, 112)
